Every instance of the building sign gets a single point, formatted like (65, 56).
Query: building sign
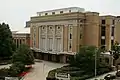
(62, 76)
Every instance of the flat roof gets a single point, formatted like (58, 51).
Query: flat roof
(22, 31)
(61, 9)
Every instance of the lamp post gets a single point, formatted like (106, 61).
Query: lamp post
(95, 63)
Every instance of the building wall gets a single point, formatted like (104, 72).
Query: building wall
(21, 39)
(117, 30)
(84, 28)
(108, 31)
(91, 29)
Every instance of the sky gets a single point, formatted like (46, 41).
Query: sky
(17, 12)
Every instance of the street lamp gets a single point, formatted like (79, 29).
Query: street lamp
(95, 62)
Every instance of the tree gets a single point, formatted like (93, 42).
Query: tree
(16, 69)
(6, 41)
(84, 58)
(116, 53)
(24, 55)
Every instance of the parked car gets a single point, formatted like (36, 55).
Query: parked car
(109, 77)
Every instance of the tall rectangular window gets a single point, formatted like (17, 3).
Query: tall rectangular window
(112, 42)
(58, 44)
(112, 31)
(103, 30)
(102, 41)
(80, 36)
(70, 46)
(70, 36)
(113, 22)
(103, 21)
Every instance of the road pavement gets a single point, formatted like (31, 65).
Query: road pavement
(40, 70)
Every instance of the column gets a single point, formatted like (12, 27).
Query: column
(18, 41)
(39, 37)
(62, 38)
(46, 38)
(53, 45)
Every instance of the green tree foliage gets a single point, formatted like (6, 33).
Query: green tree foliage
(116, 53)
(116, 49)
(16, 69)
(85, 58)
(6, 41)
(24, 55)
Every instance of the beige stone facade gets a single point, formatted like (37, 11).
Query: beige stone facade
(61, 32)
(21, 37)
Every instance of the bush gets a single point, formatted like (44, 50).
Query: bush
(4, 72)
(16, 69)
(76, 73)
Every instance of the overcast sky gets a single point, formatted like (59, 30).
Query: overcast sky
(17, 12)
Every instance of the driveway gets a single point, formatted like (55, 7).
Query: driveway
(40, 70)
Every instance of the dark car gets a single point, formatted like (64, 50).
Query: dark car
(109, 77)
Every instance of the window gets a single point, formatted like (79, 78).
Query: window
(112, 33)
(58, 27)
(103, 21)
(113, 22)
(43, 27)
(80, 36)
(50, 43)
(103, 31)
(70, 46)
(50, 27)
(46, 13)
(53, 12)
(70, 36)
(112, 42)
(61, 11)
(69, 10)
(102, 41)
(100, 60)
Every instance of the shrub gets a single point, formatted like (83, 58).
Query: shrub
(4, 72)
(16, 69)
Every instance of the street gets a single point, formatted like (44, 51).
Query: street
(41, 69)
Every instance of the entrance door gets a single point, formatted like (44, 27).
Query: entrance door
(57, 58)
(49, 57)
